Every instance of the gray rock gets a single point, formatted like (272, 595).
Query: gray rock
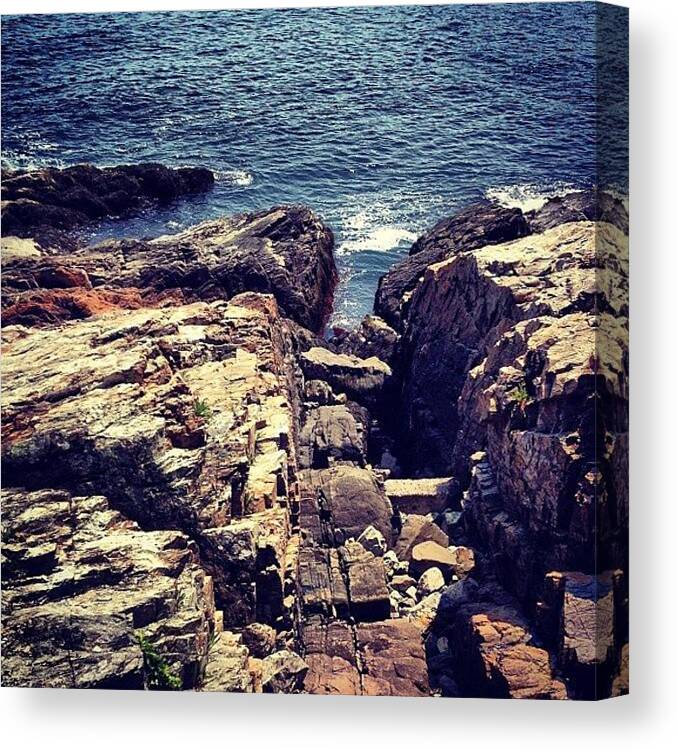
(259, 638)
(373, 541)
(283, 672)
(362, 380)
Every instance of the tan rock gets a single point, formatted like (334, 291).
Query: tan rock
(419, 496)
(426, 555)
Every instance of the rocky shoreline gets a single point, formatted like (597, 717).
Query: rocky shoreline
(201, 492)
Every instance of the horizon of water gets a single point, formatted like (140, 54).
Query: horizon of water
(382, 119)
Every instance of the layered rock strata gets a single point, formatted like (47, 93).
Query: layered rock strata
(285, 251)
(513, 368)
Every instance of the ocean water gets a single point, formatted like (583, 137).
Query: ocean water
(381, 119)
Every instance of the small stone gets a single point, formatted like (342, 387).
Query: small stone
(431, 580)
(390, 562)
(464, 560)
(283, 672)
(424, 613)
(260, 639)
(373, 541)
(402, 583)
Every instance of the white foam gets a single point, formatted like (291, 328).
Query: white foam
(381, 239)
(527, 197)
(383, 222)
(239, 177)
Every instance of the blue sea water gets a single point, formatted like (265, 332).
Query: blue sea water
(382, 119)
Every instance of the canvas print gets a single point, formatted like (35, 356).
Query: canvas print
(315, 351)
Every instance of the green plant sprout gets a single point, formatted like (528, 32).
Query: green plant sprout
(159, 674)
(201, 409)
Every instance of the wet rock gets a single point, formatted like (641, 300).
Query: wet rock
(475, 226)
(65, 198)
(591, 205)
(417, 529)
(283, 672)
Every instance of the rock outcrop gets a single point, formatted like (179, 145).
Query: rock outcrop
(90, 600)
(285, 251)
(474, 227)
(182, 417)
(513, 366)
(35, 201)
(203, 493)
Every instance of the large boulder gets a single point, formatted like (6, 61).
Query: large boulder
(333, 434)
(341, 502)
(362, 380)
(478, 225)
(494, 649)
(421, 496)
